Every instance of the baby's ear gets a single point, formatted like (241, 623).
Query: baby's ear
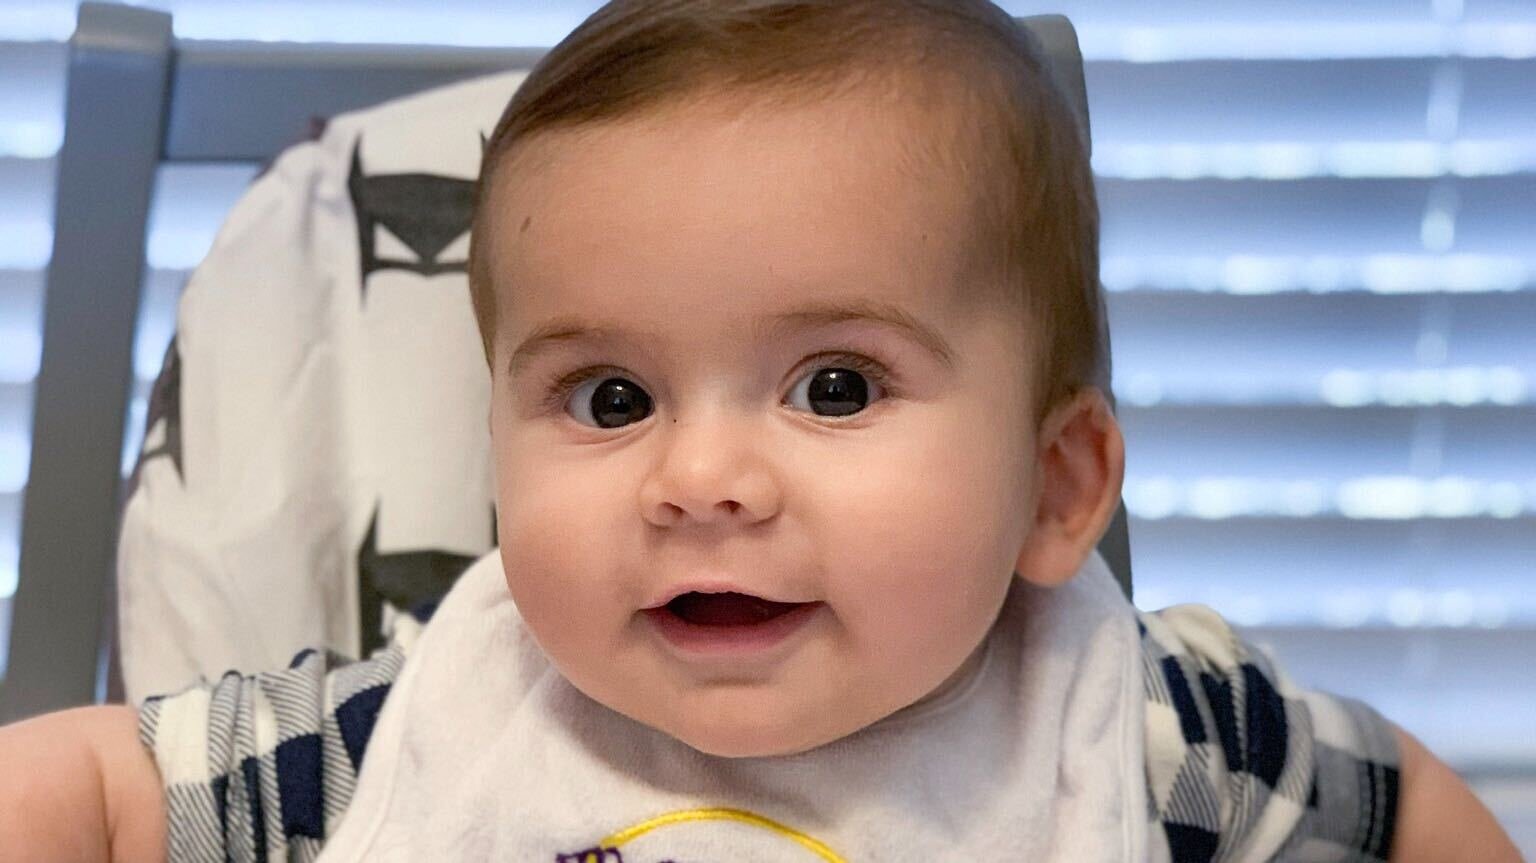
(1079, 470)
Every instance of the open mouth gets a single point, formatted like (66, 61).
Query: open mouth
(727, 609)
(729, 626)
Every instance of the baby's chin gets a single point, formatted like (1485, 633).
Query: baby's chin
(751, 728)
(755, 741)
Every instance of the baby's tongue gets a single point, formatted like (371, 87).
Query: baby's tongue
(726, 609)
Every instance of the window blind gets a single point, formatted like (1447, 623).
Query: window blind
(1319, 247)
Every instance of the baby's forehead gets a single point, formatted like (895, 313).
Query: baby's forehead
(916, 132)
(852, 178)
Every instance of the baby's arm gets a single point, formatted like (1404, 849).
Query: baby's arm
(1241, 761)
(79, 786)
(1438, 818)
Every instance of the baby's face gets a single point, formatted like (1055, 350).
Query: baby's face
(722, 441)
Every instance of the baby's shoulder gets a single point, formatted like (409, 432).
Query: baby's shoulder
(269, 761)
(1239, 758)
(1192, 631)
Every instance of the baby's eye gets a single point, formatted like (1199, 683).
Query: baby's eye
(841, 386)
(611, 401)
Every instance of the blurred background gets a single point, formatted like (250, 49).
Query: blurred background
(1319, 243)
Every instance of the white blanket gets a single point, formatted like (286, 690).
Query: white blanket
(484, 751)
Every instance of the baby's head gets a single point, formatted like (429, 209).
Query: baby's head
(796, 299)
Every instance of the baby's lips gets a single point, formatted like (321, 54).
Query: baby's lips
(716, 586)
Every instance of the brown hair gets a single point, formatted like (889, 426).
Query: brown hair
(1037, 222)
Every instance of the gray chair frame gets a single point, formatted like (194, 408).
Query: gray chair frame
(137, 97)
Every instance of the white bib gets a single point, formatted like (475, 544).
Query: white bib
(483, 751)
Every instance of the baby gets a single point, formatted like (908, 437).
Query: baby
(802, 449)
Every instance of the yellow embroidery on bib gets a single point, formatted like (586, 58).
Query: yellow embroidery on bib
(617, 840)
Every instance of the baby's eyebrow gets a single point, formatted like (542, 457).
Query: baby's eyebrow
(571, 329)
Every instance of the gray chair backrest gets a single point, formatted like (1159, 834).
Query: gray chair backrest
(137, 97)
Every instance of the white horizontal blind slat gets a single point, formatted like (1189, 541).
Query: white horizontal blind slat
(31, 96)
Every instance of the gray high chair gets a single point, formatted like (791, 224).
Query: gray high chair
(138, 98)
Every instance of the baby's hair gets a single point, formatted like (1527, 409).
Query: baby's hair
(996, 117)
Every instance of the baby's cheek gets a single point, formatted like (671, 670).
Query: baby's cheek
(912, 531)
(544, 562)
(923, 559)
